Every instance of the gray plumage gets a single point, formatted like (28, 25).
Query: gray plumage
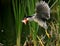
(42, 10)
(42, 14)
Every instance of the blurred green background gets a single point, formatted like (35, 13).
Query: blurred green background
(14, 32)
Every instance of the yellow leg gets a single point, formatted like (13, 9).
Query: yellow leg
(47, 34)
(40, 41)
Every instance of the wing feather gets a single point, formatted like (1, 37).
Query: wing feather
(42, 10)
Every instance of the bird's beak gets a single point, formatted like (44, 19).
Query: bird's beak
(24, 21)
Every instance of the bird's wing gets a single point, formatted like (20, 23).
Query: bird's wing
(42, 10)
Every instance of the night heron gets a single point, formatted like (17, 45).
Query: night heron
(41, 16)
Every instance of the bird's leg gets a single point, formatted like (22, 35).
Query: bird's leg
(47, 33)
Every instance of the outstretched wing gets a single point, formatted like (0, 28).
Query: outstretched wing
(42, 10)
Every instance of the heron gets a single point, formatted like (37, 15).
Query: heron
(41, 15)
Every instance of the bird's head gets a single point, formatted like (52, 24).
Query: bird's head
(26, 19)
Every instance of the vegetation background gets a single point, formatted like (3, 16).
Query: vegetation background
(14, 32)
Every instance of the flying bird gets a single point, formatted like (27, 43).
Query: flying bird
(41, 16)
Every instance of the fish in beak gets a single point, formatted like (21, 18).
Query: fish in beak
(25, 20)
